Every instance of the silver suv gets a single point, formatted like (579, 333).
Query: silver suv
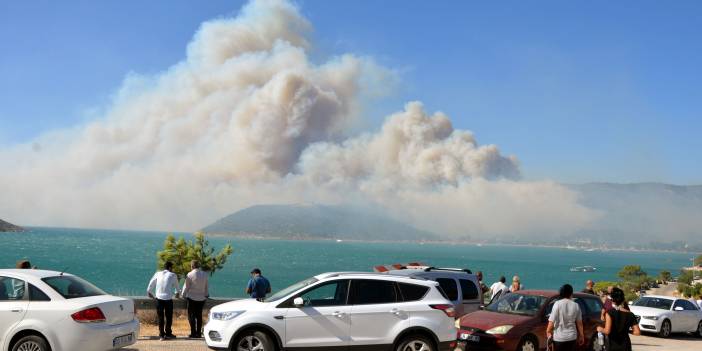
(460, 285)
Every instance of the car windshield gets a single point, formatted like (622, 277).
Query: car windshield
(654, 302)
(72, 287)
(515, 303)
(292, 288)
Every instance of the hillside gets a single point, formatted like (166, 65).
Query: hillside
(315, 222)
(9, 227)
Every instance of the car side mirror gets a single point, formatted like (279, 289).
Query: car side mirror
(679, 308)
(298, 302)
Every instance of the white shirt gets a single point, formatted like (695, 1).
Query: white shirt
(165, 283)
(497, 287)
(564, 315)
(196, 285)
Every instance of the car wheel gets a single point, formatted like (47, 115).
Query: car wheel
(31, 343)
(253, 340)
(416, 343)
(528, 343)
(699, 329)
(665, 329)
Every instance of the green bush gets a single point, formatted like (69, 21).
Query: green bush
(601, 287)
(180, 252)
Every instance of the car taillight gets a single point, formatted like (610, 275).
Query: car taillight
(448, 309)
(91, 315)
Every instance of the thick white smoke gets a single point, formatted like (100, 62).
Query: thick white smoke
(246, 119)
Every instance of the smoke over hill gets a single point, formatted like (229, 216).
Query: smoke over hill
(246, 118)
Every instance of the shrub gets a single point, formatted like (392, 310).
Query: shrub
(182, 251)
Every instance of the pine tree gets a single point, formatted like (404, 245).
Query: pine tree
(181, 252)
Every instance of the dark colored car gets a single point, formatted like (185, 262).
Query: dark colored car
(517, 321)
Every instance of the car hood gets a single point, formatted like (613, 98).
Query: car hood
(485, 320)
(241, 305)
(647, 311)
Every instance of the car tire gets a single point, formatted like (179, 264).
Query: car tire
(528, 343)
(31, 343)
(415, 343)
(666, 329)
(699, 329)
(253, 340)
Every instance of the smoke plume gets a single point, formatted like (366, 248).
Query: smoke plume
(247, 118)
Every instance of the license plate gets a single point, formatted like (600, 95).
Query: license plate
(470, 337)
(123, 340)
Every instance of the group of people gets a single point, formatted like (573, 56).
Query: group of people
(500, 287)
(164, 287)
(565, 326)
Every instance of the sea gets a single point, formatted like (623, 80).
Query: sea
(122, 262)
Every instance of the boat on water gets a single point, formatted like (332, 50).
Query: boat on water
(583, 269)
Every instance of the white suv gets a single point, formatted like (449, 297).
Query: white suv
(344, 311)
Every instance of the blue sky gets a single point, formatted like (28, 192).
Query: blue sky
(578, 91)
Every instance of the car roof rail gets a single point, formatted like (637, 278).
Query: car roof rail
(431, 269)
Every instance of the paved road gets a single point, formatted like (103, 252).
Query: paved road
(640, 343)
(669, 289)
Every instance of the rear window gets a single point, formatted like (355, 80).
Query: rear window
(450, 287)
(469, 290)
(412, 292)
(367, 292)
(71, 287)
(594, 306)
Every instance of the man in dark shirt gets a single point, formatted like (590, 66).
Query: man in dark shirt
(589, 285)
(258, 285)
(483, 287)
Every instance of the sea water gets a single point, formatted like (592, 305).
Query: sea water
(122, 262)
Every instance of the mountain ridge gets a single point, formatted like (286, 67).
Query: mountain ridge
(9, 227)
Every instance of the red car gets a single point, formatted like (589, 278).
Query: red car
(517, 321)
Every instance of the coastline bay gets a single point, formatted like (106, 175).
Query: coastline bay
(121, 262)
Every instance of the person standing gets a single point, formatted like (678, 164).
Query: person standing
(608, 305)
(258, 285)
(516, 284)
(196, 292)
(589, 288)
(483, 287)
(498, 288)
(565, 324)
(618, 321)
(164, 285)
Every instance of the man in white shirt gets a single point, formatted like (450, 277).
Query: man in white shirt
(165, 285)
(565, 324)
(498, 288)
(196, 291)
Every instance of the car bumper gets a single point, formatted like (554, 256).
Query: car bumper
(651, 326)
(97, 337)
(485, 342)
(217, 336)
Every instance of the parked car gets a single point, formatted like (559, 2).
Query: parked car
(665, 315)
(517, 321)
(45, 310)
(354, 311)
(461, 286)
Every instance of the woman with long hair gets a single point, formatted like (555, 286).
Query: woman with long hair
(618, 321)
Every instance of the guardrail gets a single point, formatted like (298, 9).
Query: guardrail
(147, 303)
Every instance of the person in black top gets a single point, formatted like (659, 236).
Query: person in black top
(618, 321)
(589, 287)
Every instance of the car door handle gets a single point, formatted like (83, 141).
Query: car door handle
(16, 310)
(396, 312)
(338, 314)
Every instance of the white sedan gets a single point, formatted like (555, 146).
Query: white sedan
(666, 315)
(45, 310)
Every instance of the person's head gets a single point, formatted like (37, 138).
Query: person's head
(515, 280)
(503, 279)
(168, 266)
(609, 290)
(194, 264)
(617, 296)
(479, 275)
(23, 264)
(255, 272)
(589, 284)
(566, 291)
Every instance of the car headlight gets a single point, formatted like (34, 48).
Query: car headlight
(225, 316)
(655, 318)
(458, 323)
(503, 329)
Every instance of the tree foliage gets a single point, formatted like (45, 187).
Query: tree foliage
(698, 260)
(603, 285)
(686, 277)
(180, 252)
(665, 276)
(632, 273)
